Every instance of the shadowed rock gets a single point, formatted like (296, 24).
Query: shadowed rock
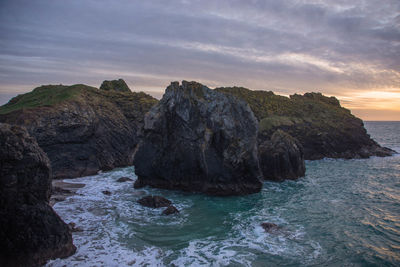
(197, 139)
(281, 157)
(154, 202)
(270, 227)
(31, 233)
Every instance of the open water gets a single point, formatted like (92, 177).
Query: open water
(342, 213)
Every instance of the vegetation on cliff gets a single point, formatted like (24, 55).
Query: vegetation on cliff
(81, 128)
(323, 127)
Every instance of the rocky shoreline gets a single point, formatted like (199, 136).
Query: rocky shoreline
(222, 142)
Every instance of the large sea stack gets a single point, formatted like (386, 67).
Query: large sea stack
(31, 233)
(82, 129)
(319, 123)
(197, 139)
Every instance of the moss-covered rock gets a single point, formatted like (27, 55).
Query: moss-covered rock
(115, 85)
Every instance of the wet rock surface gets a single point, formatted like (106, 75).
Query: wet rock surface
(170, 210)
(197, 139)
(270, 227)
(154, 201)
(106, 192)
(31, 232)
(124, 179)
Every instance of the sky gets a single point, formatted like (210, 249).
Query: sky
(348, 49)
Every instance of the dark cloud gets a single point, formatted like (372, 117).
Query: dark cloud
(287, 45)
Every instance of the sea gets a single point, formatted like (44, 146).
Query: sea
(342, 213)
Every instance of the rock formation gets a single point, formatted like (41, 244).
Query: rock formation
(154, 201)
(30, 231)
(82, 129)
(322, 126)
(170, 210)
(115, 85)
(281, 157)
(197, 139)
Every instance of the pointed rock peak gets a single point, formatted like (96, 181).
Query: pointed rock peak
(115, 85)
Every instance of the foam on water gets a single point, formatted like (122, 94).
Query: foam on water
(344, 212)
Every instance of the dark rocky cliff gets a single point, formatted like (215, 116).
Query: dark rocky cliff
(82, 129)
(30, 231)
(322, 126)
(197, 139)
(281, 157)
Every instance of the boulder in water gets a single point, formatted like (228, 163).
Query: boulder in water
(154, 201)
(170, 210)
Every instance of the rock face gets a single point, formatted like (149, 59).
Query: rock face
(82, 129)
(197, 139)
(281, 157)
(322, 126)
(115, 85)
(30, 231)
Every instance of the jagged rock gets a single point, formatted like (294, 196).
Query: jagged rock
(82, 129)
(31, 232)
(170, 210)
(154, 201)
(270, 227)
(124, 179)
(115, 85)
(322, 126)
(281, 157)
(197, 139)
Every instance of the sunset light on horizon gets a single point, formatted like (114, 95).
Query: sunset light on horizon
(350, 50)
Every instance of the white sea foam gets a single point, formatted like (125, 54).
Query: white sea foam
(112, 230)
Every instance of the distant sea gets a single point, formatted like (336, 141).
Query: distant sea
(342, 213)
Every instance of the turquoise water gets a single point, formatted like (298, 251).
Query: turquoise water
(343, 213)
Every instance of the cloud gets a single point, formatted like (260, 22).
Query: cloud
(288, 45)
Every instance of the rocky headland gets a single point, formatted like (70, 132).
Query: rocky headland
(319, 123)
(31, 233)
(82, 129)
(222, 141)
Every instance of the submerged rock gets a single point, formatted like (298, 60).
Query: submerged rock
(106, 192)
(154, 201)
(270, 227)
(281, 157)
(31, 233)
(197, 139)
(124, 179)
(170, 210)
